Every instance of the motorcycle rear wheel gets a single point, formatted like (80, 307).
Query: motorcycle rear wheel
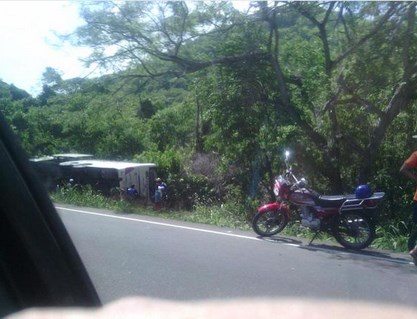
(354, 230)
(269, 223)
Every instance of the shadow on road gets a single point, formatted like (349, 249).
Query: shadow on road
(281, 240)
(391, 257)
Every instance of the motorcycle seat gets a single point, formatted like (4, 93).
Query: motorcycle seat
(332, 200)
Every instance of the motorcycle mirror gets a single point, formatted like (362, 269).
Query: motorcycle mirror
(287, 155)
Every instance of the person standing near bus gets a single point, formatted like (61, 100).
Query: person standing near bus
(160, 193)
(132, 193)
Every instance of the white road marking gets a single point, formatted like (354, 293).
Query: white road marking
(158, 223)
(214, 232)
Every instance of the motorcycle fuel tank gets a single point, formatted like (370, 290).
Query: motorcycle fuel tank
(302, 197)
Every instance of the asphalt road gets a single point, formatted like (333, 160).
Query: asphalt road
(136, 255)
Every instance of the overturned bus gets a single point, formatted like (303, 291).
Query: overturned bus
(48, 170)
(111, 177)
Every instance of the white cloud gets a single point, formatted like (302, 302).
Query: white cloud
(27, 37)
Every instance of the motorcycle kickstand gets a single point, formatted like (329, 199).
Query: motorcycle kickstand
(314, 237)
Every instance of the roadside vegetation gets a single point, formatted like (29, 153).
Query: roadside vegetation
(229, 215)
(214, 96)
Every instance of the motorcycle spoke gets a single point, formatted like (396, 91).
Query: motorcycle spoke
(269, 223)
(354, 231)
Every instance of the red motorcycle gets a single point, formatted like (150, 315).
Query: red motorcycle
(349, 218)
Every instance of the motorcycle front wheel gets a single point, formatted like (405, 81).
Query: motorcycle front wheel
(269, 223)
(354, 230)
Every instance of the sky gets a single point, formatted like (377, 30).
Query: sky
(28, 43)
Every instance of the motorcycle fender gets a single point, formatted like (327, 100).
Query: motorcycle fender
(274, 206)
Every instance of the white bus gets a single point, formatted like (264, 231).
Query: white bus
(107, 176)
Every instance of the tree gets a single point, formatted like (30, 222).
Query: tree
(155, 36)
(380, 23)
(325, 82)
(51, 79)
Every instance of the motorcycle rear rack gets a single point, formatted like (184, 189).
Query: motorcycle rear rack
(356, 203)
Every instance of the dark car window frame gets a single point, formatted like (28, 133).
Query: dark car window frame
(39, 263)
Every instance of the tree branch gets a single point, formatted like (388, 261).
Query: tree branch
(377, 28)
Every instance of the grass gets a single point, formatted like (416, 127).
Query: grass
(393, 237)
(86, 196)
(232, 215)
